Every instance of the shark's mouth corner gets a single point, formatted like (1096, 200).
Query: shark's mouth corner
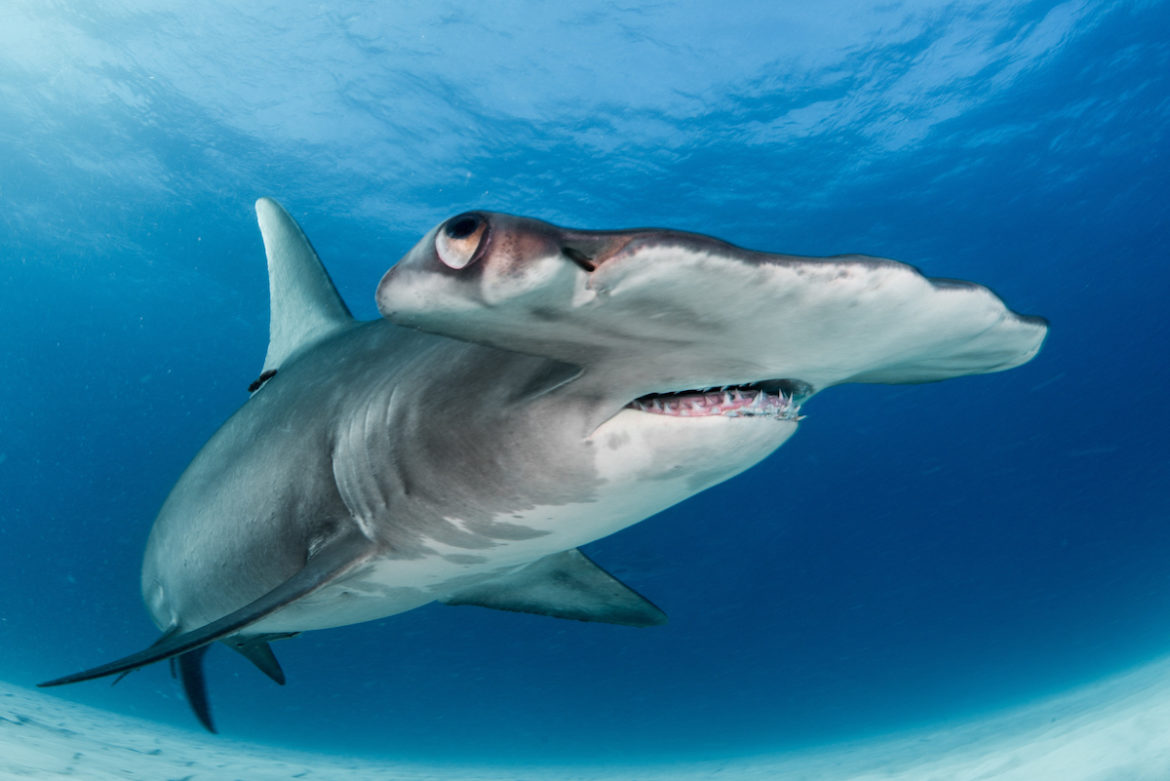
(777, 399)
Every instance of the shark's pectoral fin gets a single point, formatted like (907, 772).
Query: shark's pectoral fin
(333, 560)
(564, 585)
(174, 630)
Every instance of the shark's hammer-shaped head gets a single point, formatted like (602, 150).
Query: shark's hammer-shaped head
(681, 311)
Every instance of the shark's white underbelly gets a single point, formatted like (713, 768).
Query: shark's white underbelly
(637, 482)
(388, 585)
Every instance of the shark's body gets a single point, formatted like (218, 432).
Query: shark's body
(457, 461)
(542, 388)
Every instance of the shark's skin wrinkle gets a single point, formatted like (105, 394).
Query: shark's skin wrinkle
(508, 408)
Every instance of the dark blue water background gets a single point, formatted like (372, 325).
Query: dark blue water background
(914, 555)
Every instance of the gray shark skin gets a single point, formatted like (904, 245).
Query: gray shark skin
(529, 389)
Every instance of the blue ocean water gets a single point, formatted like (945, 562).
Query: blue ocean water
(915, 555)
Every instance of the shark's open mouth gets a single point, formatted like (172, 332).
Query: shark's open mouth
(780, 399)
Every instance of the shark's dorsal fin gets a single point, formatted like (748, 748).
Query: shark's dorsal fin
(304, 303)
(564, 585)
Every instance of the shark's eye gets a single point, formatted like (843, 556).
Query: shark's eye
(459, 239)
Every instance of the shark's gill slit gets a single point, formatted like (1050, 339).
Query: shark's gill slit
(779, 399)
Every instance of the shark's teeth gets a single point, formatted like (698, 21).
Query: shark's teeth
(723, 400)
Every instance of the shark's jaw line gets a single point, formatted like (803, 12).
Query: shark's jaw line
(775, 399)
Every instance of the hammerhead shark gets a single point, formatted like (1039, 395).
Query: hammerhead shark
(528, 389)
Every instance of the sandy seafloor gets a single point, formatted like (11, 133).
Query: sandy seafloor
(1116, 730)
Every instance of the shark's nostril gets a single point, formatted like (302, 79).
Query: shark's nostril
(580, 258)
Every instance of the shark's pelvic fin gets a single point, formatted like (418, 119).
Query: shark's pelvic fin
(564, 585)
(332, 561)
(305, 305)
(257, 651)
